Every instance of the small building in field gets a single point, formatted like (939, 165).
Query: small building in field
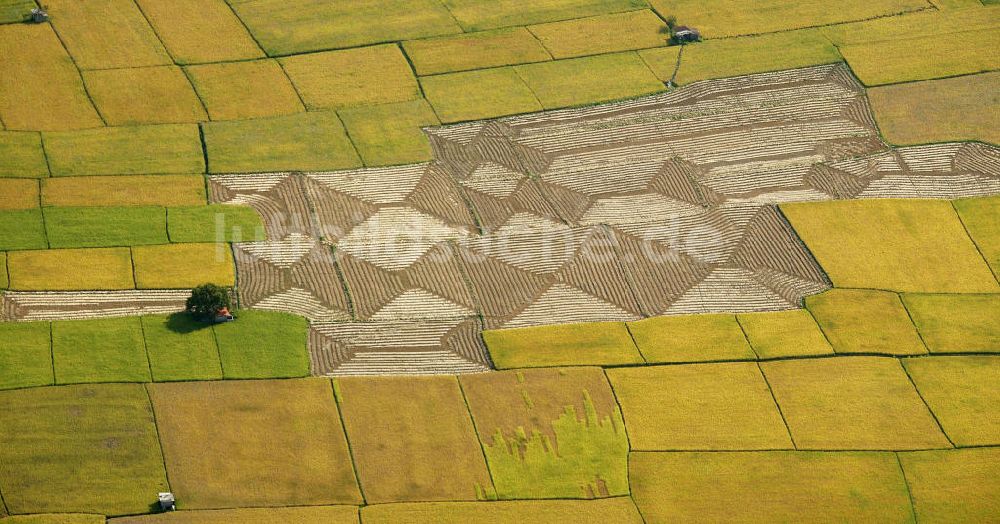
(223, 315)
(683, 33)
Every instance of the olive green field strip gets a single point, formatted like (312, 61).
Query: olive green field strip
(866, 428)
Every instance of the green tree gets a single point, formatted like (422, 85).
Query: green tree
(206, 300)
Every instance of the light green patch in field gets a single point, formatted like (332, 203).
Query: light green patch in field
(314, 25)
(924, 57)
(691, 338)
(602, 34)
(475, 51)
(88, 448)
(25, 355)
(865, 321)
(954, 485)
(105, 226)
(601, 343)
(963, 394)
(918, 246)
(144, 95)
(197, 31)
(183, 266)
(391, 134)
(476, 15)
(101, 350)
(981, 217)
(473, 95)
(56, 518)
(784, 334)
(22, 229)
(956, 323)
(304, 142)
(106, 34)
(241, 90)
(135, 150)
(526, 463)
(261, 344)
(21, 155)
(352, 77)
(180, 348)
(15, 10)
(589, 80)
(70, 269)
(215, 223)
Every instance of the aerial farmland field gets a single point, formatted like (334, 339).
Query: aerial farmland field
(571, 261)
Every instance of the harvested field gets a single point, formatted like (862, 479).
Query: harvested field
(962, 392)
(305, 514)
(69, 227)
(104, 350)
(476, 15)
(472, 95)
(852, 403)
(784, 334)
(55, 305)
(79, 448)
(214, 223)
(963, 108)
(242, 90)
(699, 407)
(478, 50)
(264, 443)
(18, 194)
(982, 221)
(956, 323)
(550, 433)
(691, 338)
(770, 486)
(263, 344)
(21, 154)
(178, 266)
(602, 34)
(70, 269)
(180, 348)
(196, 31)
(279, 198)
(924, 57)
(25, 355)
(134, 190)
(589, 80)
(135, 150)
(316, 25)
(954, 485)
(22, 229)
(352, 77)
(40, 88)
(99, 41)
(594, 344)
(619, 510)
(144, 95)
(426, 450)
(390, 134)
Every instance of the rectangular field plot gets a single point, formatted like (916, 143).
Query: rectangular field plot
(144, 95)
(70, 269)
(305, 514)
(126, 190)
(40, 88)
(962, 392)
(954, 486)
(911, 25)
(412, 439)
(852, 403)
(138, 150)
(961, 108)
(25, 355)
(691, 338)
(15, 10)
(981, 218)
(22, 229)
(265, 443)
(105, 34)
(550, 433)
(864, 321)
(103, 350)
(919, 246)
(589, 80)
(4, 280)
(215, 223)
(784, 334)
(240, 90)
(79, 448)
(179, 266)
(303, 142)
(180, 348)
(105, 226)
(263, 344)
(479, 94)
(315, 25)
(617, 510)
(57, 518)
(476, 15)
(699, 407)
(923, 58)
(602, 34)
(721, 18)
(21, 154)
(352, 77)
(774, 486)
(197, 31)
(18, 194)
(480, 50)
(956, 323)
(595, 344)
(390, 134)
